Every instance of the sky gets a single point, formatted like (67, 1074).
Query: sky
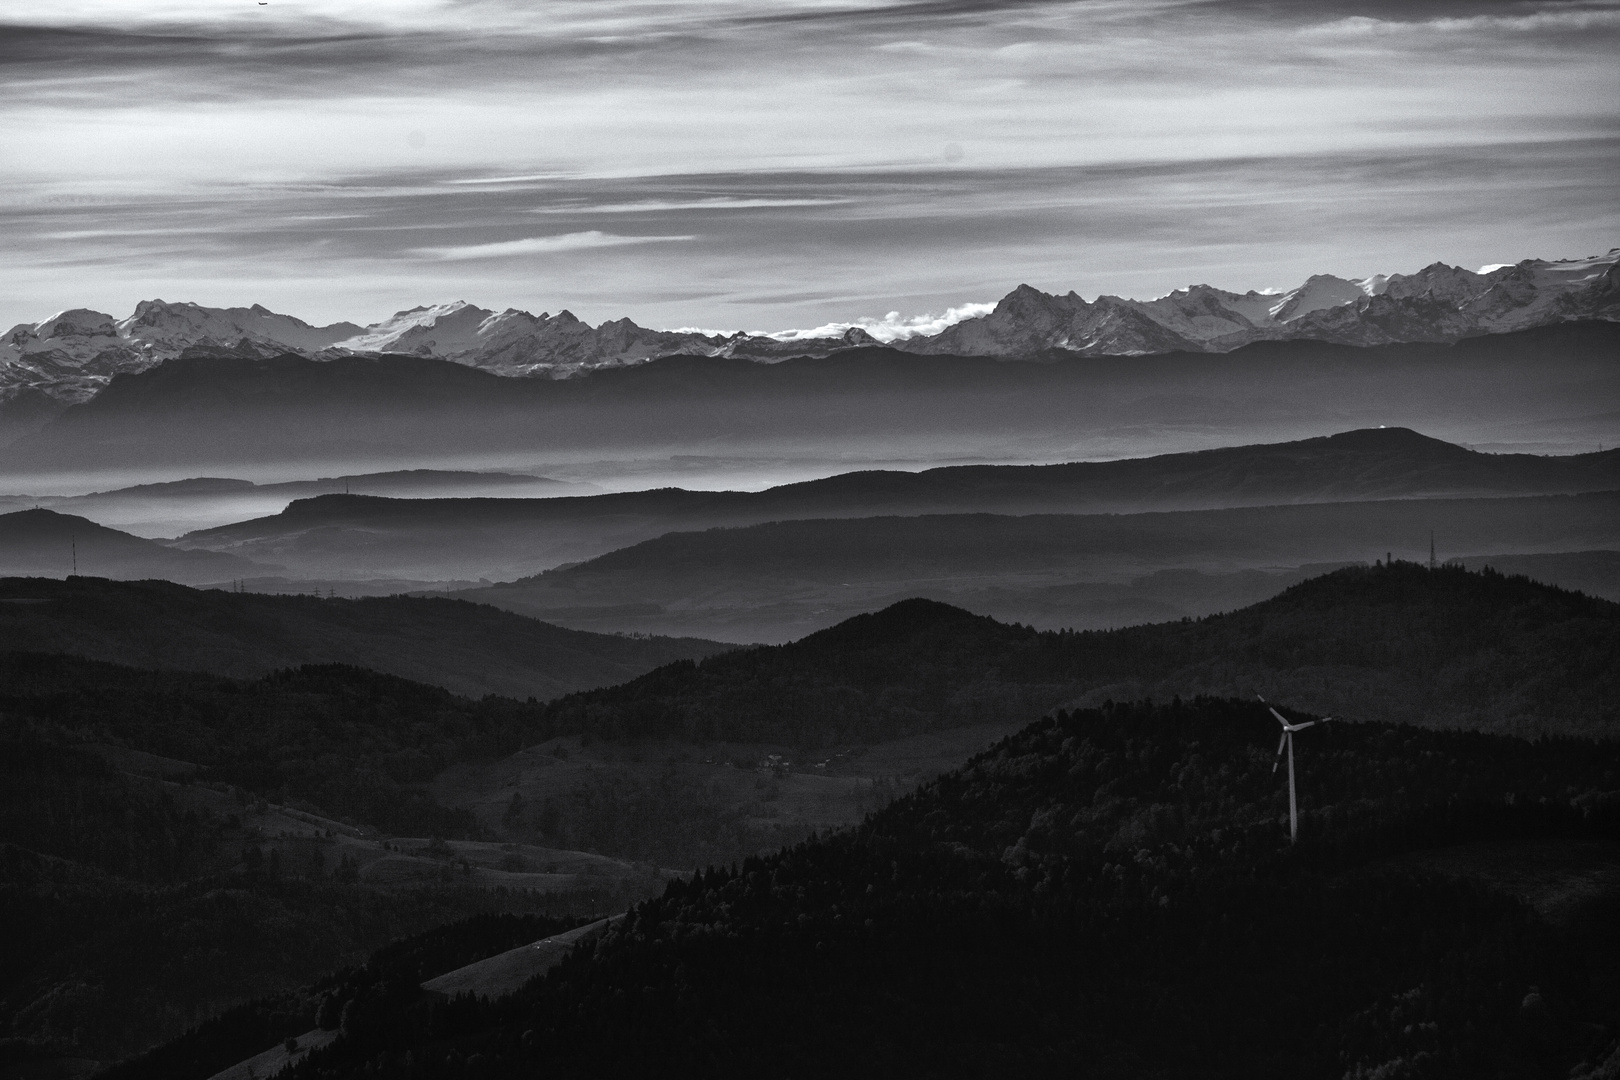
(773, 165)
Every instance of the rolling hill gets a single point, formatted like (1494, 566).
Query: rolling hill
(112, 859)
(174, 843)
(779, 581)
(1107, 893)
(46, 542)
(470, 649)
(199, 502)
(1397, 642)
(335, 536)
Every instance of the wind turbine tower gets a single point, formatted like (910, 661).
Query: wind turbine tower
(1287, 741)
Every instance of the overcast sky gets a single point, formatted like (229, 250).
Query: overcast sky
(739, 164)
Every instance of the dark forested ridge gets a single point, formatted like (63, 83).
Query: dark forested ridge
(347, 742)
(1442, 648)
(163, 853)
(1109, 893)
(136, 902)
(468, 648)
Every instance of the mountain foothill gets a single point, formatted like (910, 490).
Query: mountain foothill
(1084, 545)
(167, 797)
(960, 771)
(469, 649)
(1132, 847)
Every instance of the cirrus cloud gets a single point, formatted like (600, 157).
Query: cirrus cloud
(542, 245)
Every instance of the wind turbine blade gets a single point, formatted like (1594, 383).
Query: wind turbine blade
(1302, 727)
(1279, 717)
(1278, 760)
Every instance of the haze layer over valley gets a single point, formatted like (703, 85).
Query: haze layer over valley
(715, 421)
(1085, 545)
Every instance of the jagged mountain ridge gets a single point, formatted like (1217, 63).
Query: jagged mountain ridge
(69, 357)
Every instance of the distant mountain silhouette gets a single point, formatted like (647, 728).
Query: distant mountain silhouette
(168, 508)
(331, 536)
(210, 413)
(43, 542)
(778, 581)
(470, 649)
(395, 484)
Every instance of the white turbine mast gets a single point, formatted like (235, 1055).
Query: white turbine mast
(1287, 741)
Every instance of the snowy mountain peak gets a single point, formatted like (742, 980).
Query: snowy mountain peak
(74, 323)
(68, 357)
(1319, 291)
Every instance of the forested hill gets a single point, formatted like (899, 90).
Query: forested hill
(471, 649)
(1441, 648)
(355, 744)
(1108, 893)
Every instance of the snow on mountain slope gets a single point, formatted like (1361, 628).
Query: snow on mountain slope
(1438, 303)
(1319, 291)
(514, 342)
(68, 358)
(1203, 314)
(451, 327)
(1532, 291)
(72, 355)
(168, 329)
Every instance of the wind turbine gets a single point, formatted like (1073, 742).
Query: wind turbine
(1287, 740)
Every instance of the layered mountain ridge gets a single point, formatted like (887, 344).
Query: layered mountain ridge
(67, 358)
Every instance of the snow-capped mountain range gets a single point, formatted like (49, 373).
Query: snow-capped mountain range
(68, 357)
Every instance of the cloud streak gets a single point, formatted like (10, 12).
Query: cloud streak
(542, 245)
